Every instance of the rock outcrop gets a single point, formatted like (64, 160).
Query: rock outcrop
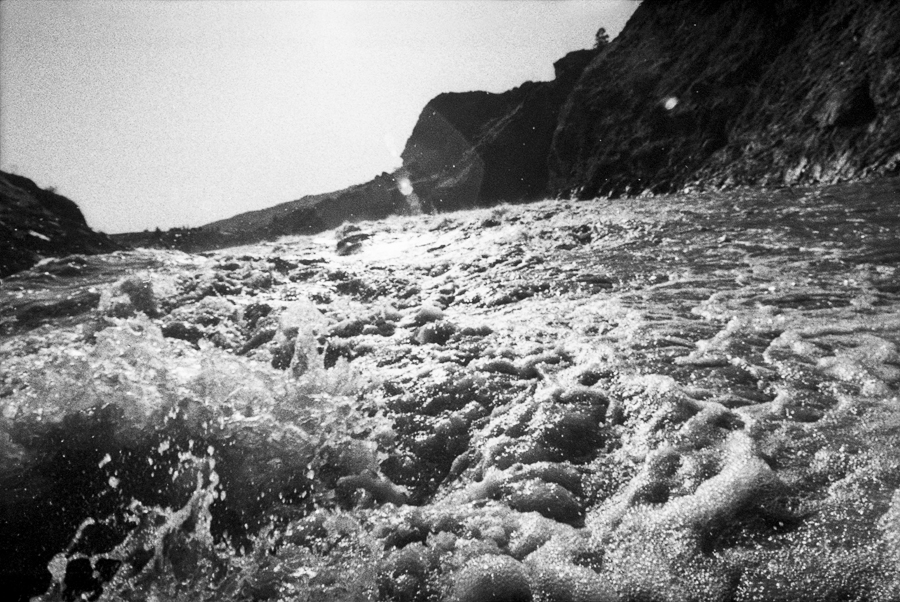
(709, 93)
(735, 92)
(476, 148)
(37, 223)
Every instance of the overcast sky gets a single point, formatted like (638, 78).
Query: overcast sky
(151, 113)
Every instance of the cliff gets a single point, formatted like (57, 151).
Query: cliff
(37, 223)
(735, 92)
(476, 148)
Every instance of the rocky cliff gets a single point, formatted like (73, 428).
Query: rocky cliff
(37, 223)
(371, 200)
(735, 92)
(476, 148)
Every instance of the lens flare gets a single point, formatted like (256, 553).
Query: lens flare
(405, 186)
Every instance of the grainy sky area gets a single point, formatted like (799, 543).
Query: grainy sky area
(178, 113)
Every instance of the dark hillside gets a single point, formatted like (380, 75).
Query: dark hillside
(477, 148)
(37, 223)
(775, 92)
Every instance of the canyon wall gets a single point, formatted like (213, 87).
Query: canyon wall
(477, 148)
(721, 93)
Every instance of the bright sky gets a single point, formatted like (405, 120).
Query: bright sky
(179, 113)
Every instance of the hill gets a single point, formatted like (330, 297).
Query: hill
(726, 93)
(36, 223)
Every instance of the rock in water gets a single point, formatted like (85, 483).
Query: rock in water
(351, 243)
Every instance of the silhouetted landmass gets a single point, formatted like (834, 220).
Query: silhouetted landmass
(36, 223)
(477, 148)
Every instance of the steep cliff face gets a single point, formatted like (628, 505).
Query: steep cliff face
(472, 148)
(735, 92)
(37, 223)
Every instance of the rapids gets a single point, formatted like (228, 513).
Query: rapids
(685, 397)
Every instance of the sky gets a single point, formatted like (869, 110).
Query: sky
(152, 113)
